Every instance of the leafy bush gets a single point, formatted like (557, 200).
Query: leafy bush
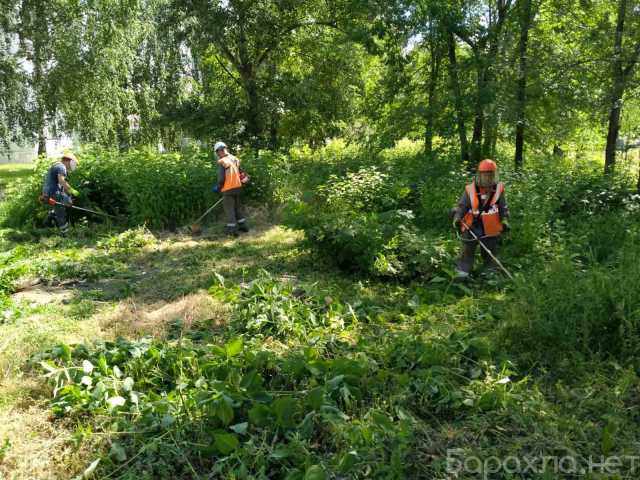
(272, 308)
(361, 220)
(566, 312)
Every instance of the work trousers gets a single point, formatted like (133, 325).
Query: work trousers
(58, 214)
(469, 246)
(233, 210)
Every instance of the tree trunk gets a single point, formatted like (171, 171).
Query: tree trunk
(478, 123)
(433, 83)
(521, 89)
(38, 86)
(490, 135)
(42, 141)
(273, 132)
(617, 91)
(274, 115)
(455, 86)
(253, 130)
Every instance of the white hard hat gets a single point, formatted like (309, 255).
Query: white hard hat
(219, 145)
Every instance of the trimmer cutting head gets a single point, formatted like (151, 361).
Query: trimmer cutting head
(195, 229)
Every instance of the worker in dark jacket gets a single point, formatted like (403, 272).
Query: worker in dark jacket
(483, 209)
(57, 191)
(230, 184)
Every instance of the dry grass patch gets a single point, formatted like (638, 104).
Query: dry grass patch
(131, 318)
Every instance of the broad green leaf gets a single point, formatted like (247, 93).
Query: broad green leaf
(285, 410)
(260, 415)
(167, 421)
(224, 412)
(240, 428)
(234, 347)
(382, 420)
(117, 452)
(348, 461)
(102, 365)
(226, 443)
(280, 452)
(315, 472)
(315, 398)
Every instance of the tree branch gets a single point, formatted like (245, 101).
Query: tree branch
(263, 55)
(224, 67)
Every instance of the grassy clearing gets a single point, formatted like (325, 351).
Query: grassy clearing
(172, 356)
(11, 172)
(118, 285)
(170, 288)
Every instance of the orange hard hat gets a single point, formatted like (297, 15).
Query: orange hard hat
(487, 166)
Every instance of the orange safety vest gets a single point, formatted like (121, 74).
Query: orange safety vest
(491, 218)
(231, 173)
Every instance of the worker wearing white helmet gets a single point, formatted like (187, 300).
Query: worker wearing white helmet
(230, 182)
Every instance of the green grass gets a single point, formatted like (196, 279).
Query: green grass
(13, 171)
(337, 374)
(179, 289)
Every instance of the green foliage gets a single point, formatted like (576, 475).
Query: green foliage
(141, 187)
(128, 240)
(565, 312)
(181, 406)
(364, 221)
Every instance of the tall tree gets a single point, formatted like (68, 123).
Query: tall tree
(525, 17)
(622, 68)
(243, 37)
(457, 96)
(481, 27)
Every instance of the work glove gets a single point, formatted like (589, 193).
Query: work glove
(456, 223)
(215, 188)
(74, 192)
(505, 227)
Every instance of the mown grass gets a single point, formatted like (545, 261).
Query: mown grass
(154, 289)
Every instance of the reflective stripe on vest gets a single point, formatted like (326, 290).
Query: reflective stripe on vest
(231, 173)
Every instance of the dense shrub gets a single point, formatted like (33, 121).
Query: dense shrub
(362, 221)
(161, 190)
(567, 311)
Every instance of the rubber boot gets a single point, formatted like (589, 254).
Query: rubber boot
(231, 231)
(243, 227)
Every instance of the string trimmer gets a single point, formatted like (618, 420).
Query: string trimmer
(53, 202)
(486, 249)
(195, 227)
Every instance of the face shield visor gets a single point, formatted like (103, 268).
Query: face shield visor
(487, 179)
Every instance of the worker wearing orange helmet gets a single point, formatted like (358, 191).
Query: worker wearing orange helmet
(483, 209)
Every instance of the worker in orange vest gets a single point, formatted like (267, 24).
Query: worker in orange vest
(482, 208)
(230, 185)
